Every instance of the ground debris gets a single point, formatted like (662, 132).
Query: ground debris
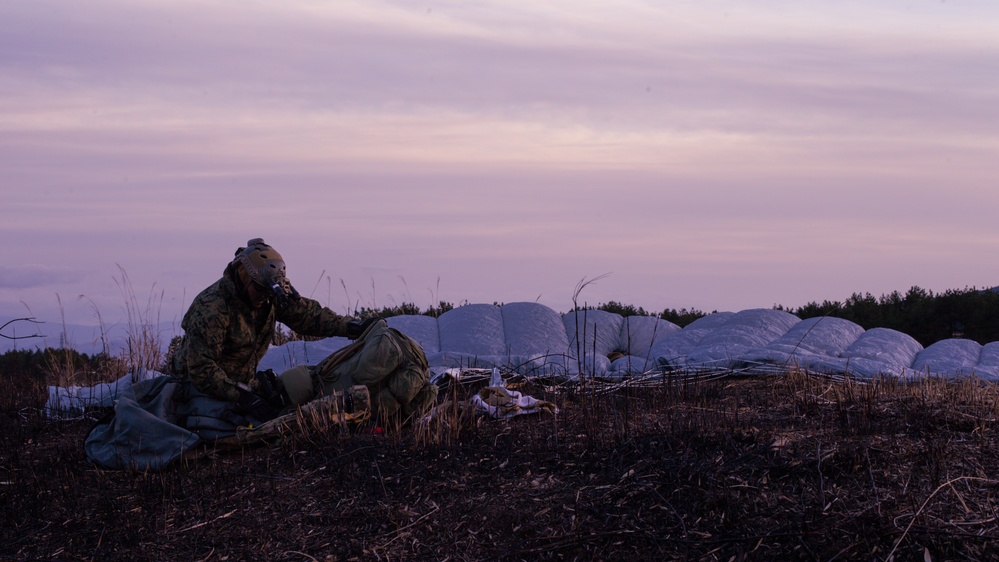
(766, 468)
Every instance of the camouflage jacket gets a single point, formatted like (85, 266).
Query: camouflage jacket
(225, 338)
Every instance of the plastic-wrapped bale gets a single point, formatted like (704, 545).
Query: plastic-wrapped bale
(471, 336)
(814, 344)
(638, 336)
(671, 351)
(592, 336)
(951, 358)
(882, 352)
(745, 331)
(535, 338)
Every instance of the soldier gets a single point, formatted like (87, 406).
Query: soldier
(230, 325)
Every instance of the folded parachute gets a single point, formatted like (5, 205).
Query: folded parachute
(532, 339)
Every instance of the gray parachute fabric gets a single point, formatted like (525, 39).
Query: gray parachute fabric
(74, 401)
(959, 358)
(472, 336)
(638, 336)
(165, 420)
(593, 335)
(423, 329)
(742, 332)
(156, 422)
(534, 339)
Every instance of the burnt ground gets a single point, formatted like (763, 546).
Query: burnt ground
(788, 467)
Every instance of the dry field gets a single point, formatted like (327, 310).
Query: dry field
(788, 467)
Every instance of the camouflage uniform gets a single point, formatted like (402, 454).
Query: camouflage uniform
(225, 337)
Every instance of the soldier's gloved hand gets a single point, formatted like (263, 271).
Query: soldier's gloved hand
(269, 388)
(284, 292)
(356, 327)
(256, 406)
(266, 383)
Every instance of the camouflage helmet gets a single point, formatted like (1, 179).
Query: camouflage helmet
(262, 263)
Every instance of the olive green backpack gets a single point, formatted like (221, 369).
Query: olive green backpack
(391, 364)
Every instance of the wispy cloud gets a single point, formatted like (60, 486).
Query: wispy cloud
(32, 276)
(465, 140)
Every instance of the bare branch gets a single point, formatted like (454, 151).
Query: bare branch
(32, 320)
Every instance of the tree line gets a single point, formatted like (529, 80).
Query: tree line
(956, 313)
(927, 317)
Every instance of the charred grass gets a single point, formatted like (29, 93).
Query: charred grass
(789, 467)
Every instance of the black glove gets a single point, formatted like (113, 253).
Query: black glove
(269, 399)
(356, 327)
(268, 384)
(269, 387)
(284, 292)
(256, 406)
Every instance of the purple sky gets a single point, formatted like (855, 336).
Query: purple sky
(717, 155)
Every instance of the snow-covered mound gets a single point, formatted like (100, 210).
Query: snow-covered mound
(533, 339)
